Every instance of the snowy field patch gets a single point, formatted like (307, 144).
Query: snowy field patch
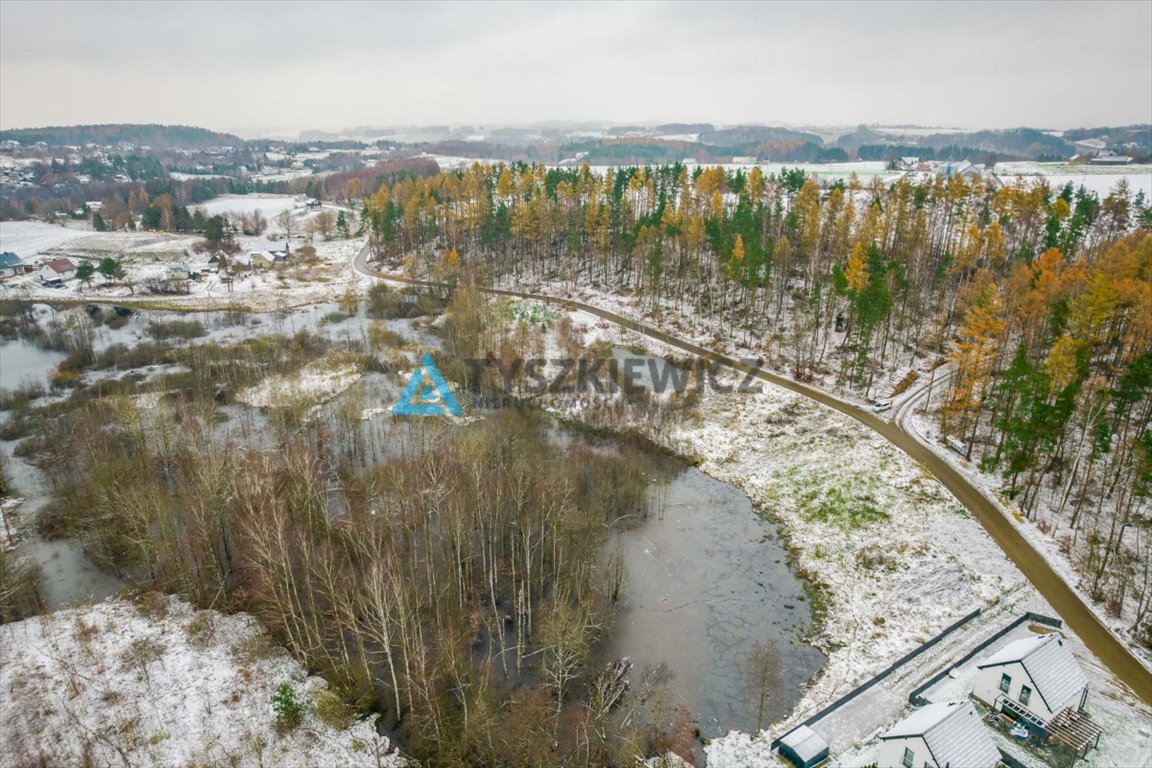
(316, 383)
(108, 685)
(31, 238)
(268, 205)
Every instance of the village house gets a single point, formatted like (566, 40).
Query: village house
(1038, 683)
(57, 270)
(946, 734)
(11, 265)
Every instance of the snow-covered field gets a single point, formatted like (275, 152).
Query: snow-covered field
(111, 685)
(31, 238)
(269, 205)
(1099, 179)
(147, 257)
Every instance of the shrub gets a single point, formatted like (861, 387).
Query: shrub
(176, 329)
(288, 709)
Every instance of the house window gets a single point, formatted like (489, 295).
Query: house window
(1025, 695)
(1005, 683)
(908, 758)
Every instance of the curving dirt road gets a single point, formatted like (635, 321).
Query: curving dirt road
(1063, 599)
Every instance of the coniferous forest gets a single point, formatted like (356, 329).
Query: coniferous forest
(1028, 307)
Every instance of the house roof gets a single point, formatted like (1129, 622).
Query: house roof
(9, 259)
(60, 265)
(805, 743)
(1050, 664)
(953, 732)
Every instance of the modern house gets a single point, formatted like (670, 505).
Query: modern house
(804, 747)
(1037, 682)
(57, 270)
(947, 734)
(11, 265)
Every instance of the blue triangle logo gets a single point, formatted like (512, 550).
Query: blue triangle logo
(427, 394)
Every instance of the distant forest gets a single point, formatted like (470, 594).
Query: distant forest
(156, 136)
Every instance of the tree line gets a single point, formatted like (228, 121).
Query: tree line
(1039, 298)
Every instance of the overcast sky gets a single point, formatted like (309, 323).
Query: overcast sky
(326, 65)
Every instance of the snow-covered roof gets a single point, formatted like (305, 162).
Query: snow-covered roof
(953, 732)
(1052, 667)
(805, 743)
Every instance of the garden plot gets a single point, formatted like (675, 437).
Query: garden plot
(173, 686)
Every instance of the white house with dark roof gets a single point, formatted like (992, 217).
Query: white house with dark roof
(947, 734)
(1033, 678)
(57, 269)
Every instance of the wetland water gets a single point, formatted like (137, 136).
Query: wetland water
(706, 577)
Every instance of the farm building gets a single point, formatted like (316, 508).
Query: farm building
(1037, 682)
(947, 734)
(57, 269)
(11, 265)
(804, 747)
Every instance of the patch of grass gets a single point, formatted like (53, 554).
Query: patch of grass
(837, 506)
(152, 604)
(332, 709)
(176, 329)
(201, 629)
(255, 647)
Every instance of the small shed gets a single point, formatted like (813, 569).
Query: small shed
(804, 747)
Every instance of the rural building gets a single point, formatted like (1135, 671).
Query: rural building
(11, 265)
(948, 734)
(1037, 682)
(804, 747)
(1108, 157)
(312, 204)
(57, 269)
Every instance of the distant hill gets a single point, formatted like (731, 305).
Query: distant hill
(756, 134)
(155, 136)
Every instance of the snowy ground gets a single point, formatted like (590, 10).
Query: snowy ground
(1048, 544)
(269, 205)
(316, 383)
(31, 238)
(147, 257)
(109, 685)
